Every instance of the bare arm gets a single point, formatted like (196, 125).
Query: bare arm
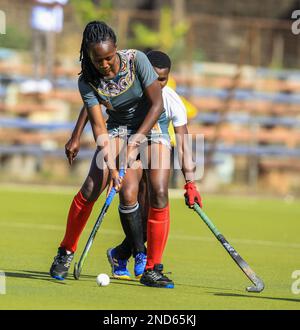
(188, 166)
(100, 133)
(80, 124)
(153, 93)
(73, 145)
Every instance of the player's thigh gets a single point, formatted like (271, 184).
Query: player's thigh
(143, 199)
(143, 193)
(158, 175)
(97, 178)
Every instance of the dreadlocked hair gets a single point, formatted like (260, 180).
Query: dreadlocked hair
(94, 32)
(159, 59)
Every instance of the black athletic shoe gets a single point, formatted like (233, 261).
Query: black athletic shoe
(155, 278)
(61, 264)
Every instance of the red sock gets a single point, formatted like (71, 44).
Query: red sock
(167, 228)
(79, 213)
(157, 234)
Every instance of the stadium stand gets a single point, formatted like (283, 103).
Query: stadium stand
(262, 119)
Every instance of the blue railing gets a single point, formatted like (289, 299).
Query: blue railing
(239, 94)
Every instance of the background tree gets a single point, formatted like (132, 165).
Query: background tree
(169, 37)
(90, 10)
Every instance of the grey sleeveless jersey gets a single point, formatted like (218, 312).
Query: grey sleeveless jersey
(123, 96)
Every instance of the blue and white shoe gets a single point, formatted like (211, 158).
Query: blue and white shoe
(140, 261)
(118, 266)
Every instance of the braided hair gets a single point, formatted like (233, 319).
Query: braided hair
(159, 59)
(94, 32)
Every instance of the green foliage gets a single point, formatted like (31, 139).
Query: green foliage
(144, 37)
(168, 38)
(90, 10)
(15, 38)
(198, 55)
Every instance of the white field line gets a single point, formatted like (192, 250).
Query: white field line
(272, 244)
(40, 189)
(52, 189)
(73, 189)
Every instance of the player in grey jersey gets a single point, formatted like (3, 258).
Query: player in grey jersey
(126, 84)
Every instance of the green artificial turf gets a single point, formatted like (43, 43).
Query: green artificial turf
(264, 232)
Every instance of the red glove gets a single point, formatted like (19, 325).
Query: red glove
(192, 195)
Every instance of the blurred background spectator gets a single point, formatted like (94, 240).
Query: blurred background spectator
(46, 19)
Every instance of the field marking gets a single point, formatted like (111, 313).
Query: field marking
(54, 189)
(40, 189)
(173, 193)
(275, 244)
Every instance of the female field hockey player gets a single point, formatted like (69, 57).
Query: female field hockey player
(126, 83)
(175, 112)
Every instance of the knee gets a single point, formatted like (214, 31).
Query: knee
(159, 198)
(89, 190)
(128, 196)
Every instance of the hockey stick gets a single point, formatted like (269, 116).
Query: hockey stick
(78, 267)
(258, 283)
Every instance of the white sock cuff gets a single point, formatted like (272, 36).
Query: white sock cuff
(128, 209)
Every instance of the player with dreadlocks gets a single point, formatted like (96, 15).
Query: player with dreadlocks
(175, 112)
(125, 82)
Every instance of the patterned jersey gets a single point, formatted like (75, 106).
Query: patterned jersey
(124, 95)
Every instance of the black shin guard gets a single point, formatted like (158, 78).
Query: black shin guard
(131, 221)
(124, 250)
